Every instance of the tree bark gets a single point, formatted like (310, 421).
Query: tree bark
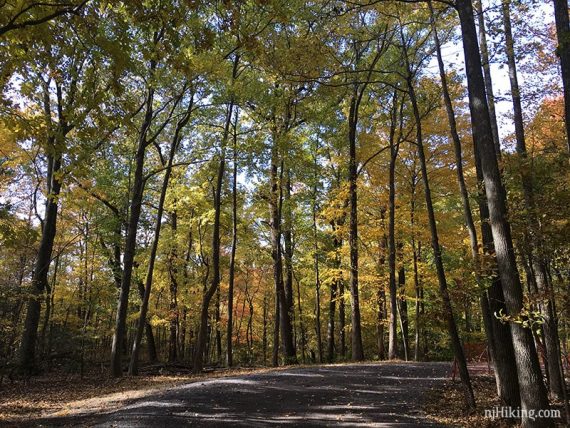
(563, 51)
(533, 231)
(498, 334)
(447, 308)
(403, 311)
(275, 208)
(202, 337)
(357, 349)
(333, 297)
(131, 239)
(173, 303)
(394, 148)
(231, 280)
(532, 390)
(288, 245)
(133, 365)
(41, 269)
(487, 76)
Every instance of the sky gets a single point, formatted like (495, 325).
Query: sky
(453, 57)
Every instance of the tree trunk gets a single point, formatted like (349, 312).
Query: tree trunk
(173, 303)
(133, 365)
(275, 351)
(131, 241)
(41, 269)
(288, 245)
(487, 76)
(403, 311)
(316, 267)
(532, 390)
(275, 207)
(357, 349)
(498, 334)
(533, 231)
(342, 320)
(393, 325)
(333, 297)
(381, 294)
(447, 308)
(231, 280)
(215, 282)
(563, 51)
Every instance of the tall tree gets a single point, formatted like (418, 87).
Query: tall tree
(533, 234)
(563, 51)
(532, 390)
(443, 290)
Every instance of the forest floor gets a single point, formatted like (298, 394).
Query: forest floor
(366, 394)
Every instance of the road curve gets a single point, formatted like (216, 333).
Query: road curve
(368, 394)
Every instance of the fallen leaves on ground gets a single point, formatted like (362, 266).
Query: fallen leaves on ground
(56, 394)
(446, 406)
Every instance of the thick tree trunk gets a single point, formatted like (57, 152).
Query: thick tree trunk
(497, 333)
(563, 51)
(532, 390)
(533, 230)
(275, 349)
(342, 319)
(217, 318)
(27, 357)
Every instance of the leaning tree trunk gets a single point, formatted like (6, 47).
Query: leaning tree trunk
(487, 76)
(133, 365)
(27, 357)
(498, 334)
(438, 260)
(532, 389)
(131, 240)
(533, 232)
(202, 337)
(447, 309)
(563, 51)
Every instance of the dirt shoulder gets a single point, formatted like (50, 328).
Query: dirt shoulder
(60, 394)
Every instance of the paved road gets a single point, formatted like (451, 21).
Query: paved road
(372, 394)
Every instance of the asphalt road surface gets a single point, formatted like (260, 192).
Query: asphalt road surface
(369, 394)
